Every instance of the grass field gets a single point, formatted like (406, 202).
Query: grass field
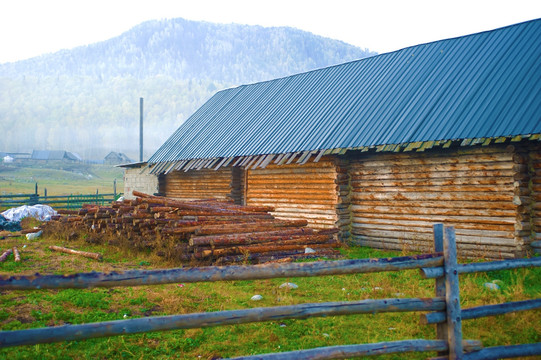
(40, 308)
(59, 178)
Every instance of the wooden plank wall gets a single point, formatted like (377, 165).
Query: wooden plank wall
(198, 184)
(396, 199)
(306, 191)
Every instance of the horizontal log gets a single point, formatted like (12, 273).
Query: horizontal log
(425, 227)
(412, 170)
(489, 220)
(261, 248)
(292, 196)
(363, 350)
(463, 251)
(218, 273)
(296, 171)
(430, 196)
(484, 311)
(249, 227)
(428, 237)
(276, 240)
(405, 160)
(436, 272)
(360, 222)
(287, 202)
(435, 175)
(67, 212)
(421, 210)
(503, 352)
(414, 189)
(328, 217)
(180, 230)
(230, 238)
(312, 208)
(218, 318)
(503, 205)
(91, 255)
(481, 248)
(322, 180)
(307, 191)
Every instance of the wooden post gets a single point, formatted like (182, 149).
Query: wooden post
(441, 328)
(114, 189)
(452, 296)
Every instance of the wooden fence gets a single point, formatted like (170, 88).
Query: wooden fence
(57, 201)
(444, 309)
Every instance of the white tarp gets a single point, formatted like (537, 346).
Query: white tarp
(40, 212)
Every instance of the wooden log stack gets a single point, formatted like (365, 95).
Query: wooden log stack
(204, 231)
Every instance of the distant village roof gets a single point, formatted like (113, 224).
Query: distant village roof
(54, 155)
(479, 88)
(117, 158)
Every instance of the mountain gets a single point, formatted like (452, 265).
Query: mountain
(87, 99)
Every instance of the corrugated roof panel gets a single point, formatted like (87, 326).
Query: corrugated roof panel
(472, 87)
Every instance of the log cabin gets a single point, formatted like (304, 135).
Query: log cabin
(382, 147)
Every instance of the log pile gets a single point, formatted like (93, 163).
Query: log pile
(204, 231)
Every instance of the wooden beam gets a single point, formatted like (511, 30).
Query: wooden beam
(217, 273)
(435, 272)
(483, 311)
(351, 351)
(209, 319)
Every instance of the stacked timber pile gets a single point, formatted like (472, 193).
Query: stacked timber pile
(204, 230)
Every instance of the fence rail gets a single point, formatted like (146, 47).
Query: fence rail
(444, 309)
(57, 201)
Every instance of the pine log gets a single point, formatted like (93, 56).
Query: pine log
(67, 212)
(180, 230)
(261, 249)
(5, 255)
(76, 252)
(223, 239)
(16, 254)
(249, 227)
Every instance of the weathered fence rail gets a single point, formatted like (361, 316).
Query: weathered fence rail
(56, 201)
(444, 309)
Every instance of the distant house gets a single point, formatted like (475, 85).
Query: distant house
(54, 155)
(116, 158)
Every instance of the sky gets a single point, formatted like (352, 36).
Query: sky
(31, 28)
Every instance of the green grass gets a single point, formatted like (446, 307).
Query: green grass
(40, 308)
(59, 178)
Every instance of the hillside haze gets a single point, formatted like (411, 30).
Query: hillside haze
(86, 99)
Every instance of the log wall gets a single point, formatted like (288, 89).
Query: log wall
(535, 169)
(308, 191)
(396, 199)
(198, 184)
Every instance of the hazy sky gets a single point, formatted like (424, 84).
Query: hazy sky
(32, 27)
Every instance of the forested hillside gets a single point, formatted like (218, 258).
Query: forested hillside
(87, 99)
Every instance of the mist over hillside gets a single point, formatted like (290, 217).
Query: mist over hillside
(87, 99)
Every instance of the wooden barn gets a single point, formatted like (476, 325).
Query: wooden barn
(382, 147)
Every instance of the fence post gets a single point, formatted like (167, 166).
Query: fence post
(452, 295)
(114, 190)
(34, 199)
(441, 328)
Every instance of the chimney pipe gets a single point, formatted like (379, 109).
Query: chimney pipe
(141, 129)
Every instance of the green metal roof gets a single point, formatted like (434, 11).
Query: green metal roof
(475, 87)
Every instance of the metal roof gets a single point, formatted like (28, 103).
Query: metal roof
(477, 87)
